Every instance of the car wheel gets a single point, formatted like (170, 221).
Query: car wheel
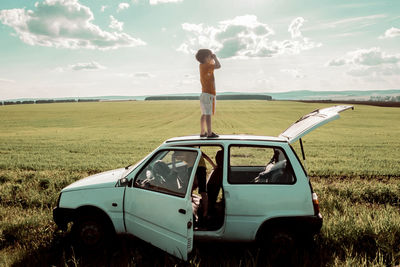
(90, 232)
(281, 243)
(278, 242)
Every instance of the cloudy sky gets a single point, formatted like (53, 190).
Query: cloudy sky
(63, 48)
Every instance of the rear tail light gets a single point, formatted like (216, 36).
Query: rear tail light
(315, 203)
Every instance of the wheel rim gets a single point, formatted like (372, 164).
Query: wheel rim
(282, 243)
(91, 233)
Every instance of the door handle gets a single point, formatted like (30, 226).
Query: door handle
(182, 211)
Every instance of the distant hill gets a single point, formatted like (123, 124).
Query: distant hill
(370, 95)
(229, 96)
(335, 95)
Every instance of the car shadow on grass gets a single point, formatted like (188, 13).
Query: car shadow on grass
(126, 250)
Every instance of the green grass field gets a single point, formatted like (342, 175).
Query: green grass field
(354, 163)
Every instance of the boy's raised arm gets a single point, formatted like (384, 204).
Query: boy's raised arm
(217, 64)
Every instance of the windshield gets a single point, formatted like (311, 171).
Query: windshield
(130, 168)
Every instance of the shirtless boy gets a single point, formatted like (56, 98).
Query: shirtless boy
(208, 63)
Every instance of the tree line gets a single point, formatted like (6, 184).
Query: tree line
(46, 101)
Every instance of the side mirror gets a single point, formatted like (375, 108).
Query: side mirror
(123, 182)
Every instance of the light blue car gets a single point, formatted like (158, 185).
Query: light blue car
(256, 189)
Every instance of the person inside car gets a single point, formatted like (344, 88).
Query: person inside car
(274, 170)
(199, 204)
(214, 182)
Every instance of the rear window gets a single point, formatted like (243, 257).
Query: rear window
(259, 165)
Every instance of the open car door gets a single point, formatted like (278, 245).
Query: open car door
(158, 206)
(312, 121)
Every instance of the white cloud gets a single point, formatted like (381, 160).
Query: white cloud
(86, 66)
(190, 76)
(6, 81)
(358, 22)
(366, 57)
(294, 27)
(63, 24)
(156, 2)
(103, 8)
(373, 61)
(337, 62)
(358, 19)
(295, 73)
(391, 33)
(122, 6)
(373, 56)
(389, 70)
(115, 24)
(244, 37)
(143, 75)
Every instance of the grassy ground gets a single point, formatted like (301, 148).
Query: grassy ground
(354, 164)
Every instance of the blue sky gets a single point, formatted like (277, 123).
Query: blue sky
(71, 48)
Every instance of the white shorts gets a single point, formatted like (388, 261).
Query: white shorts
(207, 101)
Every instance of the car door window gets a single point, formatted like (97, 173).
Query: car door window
(259, 165)
(167, 172)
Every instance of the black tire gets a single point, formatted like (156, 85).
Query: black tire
(278, 242)
(91, 232)
(281, 242)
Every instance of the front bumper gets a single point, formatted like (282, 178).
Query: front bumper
(62, 216)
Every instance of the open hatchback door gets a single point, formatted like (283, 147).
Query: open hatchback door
(312, 121)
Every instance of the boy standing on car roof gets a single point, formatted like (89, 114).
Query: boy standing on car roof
(208, 63)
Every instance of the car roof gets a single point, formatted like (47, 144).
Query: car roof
(239, 137)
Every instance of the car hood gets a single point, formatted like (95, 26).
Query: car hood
(100, 180)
